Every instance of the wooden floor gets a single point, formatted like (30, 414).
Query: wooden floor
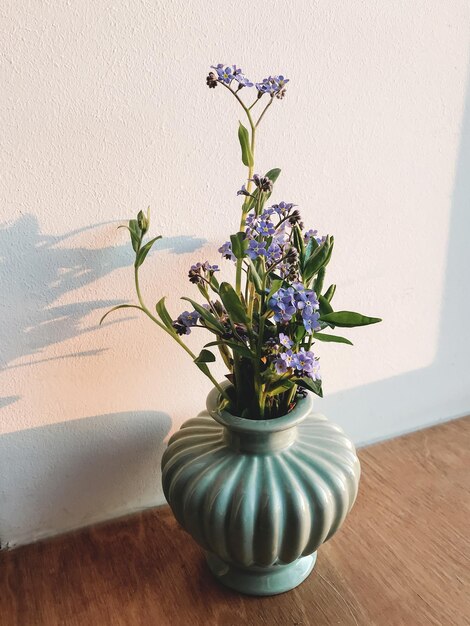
(402, 558)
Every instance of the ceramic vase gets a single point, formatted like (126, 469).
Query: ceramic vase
(260, 496)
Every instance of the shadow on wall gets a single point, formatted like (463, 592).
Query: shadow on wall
(36, 270)
(5, 401)
(387, 403)
(59, 477)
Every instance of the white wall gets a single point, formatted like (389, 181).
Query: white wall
(105, 111)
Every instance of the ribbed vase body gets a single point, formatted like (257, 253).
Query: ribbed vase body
(260, 496)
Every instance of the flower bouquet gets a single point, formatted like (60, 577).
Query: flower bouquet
(265, 325)
(258, 480)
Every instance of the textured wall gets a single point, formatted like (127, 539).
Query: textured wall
(105, 111)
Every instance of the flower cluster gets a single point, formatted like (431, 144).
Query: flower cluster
(185, 321)
(269, 234)
(227, 74)
(313, 234)
(201, 272)
(302, 363)
(273, 85)
(296, 302)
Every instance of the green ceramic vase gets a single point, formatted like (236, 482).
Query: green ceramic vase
(260, 496)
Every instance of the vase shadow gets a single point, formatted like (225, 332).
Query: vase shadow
(63, 476)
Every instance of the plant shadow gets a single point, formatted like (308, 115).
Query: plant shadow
(36, 270)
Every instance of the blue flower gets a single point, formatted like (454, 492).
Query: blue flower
(285, 340)
(306, 301)
(207, 267)
(264, 86)
(280, 366)
(279, 82)
(256, 249)
(283, 208)
(274, 85)
(307, 364)
(286, 360)
(315, 373)
(243, 81)
(185, 321)
(311, 322)
(267, 213)
(226, 251)
(196, 271)
(274, 252)
(265, 228)
(283, 305)
(225, 74)
(313, 234)
(243, 192)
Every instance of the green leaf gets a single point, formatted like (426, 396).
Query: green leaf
(121, 306)
(136, 234)
(318, 259)
(140, 258)
(280, 387)
(232, 304)
(331, 338)
(214, 283)
(348, 319)
(164, 315)
(211, 321)
(318, 284)
(299, 334)
(241, 349)
(330, 292)
(244, 139)
(256, 277)
(205, 356)
(311, 246)
(273, 174)
(311, 385)
(325, 306)
(275, 286)
(203, 367)
(299, 243)
(238, 245)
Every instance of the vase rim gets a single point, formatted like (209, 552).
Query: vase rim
(243, 424)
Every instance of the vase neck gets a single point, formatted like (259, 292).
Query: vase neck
(259, 442)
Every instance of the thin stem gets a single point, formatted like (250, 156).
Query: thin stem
(291, 396)
(242, 104)
(174, 335)
(264, 111)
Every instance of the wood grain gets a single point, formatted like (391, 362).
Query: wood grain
(402, 558)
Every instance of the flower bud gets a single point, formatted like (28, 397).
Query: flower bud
(143, 222)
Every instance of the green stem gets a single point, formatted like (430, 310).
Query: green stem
(264, 111)
(174, 335)
(291, 396)
(238, 276)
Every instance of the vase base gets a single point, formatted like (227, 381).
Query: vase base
(261, 581)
